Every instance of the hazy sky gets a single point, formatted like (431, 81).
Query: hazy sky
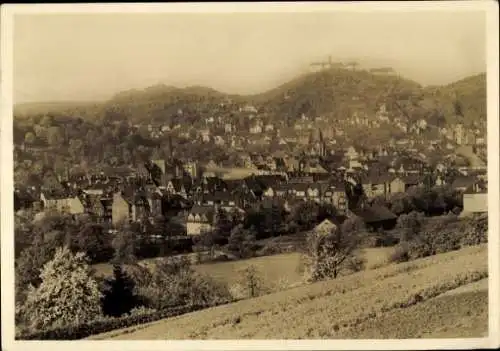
(86, 57)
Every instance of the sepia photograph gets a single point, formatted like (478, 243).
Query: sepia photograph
(249, 172)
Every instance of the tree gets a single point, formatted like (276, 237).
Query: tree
(242, 242)
(119, 295)
(250, 280)
(75, 147)
(306, 214)
(329, 254)
(67, 295)
(124, 245)
(47, 121)
(353, 224)
(29, 138)
(95, 242)
(411, 224)
(206, 241)
(55, 136)
(29, 264)
(224, 223)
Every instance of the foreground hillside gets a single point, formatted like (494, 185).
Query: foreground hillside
(414, 299)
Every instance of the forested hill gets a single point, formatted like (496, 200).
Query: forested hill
(464, 100)
(336, 93)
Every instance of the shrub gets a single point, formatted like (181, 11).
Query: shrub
(242, 242)
(474, 231)
(141, 310)
(251, 282)
(411, 224)
(68, 294)
(399, 254)
(103, 325)
(124, 245)
(172, 282)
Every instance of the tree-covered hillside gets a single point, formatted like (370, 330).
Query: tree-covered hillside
(335, 93)
(462, 101)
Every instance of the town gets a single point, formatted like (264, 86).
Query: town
(324, 162)
(179, 186)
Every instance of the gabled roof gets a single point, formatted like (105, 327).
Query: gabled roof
(463, 182)
(56, 194)
(299, 186)
(207, 211)
(412, 179)
(234, 184)
(375, 213)
(178, 184)
(219, 196)
(375, 178)
(325, 227)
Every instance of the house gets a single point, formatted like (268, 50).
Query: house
(248, 109)
(440, 180)
(397, 185)
(200, 219)
(255, 129)
(99, 209)
(176, 186)
(324, 228)
(155, 203)
(475, 199)
(376, 185)
(269, 127)
(62, 202)
(351, 153)
(121, 211)
(228, 128)
(130, 206)
(462, 183)
(205, 135)
(459, 134)
(211, 164)
(298, 191)
(412, 180)
(219, 140)
(376, 216)
(191, 168)
(314, 192)
(336, 195)
(95, 189)
(221, 199)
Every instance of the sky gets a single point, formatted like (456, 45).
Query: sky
(69, 57)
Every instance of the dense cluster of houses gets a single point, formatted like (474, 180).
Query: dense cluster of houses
(185, 190)
(325, 161)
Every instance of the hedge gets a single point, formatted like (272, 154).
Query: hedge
(75, 332)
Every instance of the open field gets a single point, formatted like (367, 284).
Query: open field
(404, 300)
(276, 271)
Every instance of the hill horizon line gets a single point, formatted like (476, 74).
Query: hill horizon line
(214, 90)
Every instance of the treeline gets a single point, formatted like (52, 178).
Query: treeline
(430, 201)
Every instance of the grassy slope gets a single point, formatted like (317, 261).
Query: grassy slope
(278, 271)
(366, 304)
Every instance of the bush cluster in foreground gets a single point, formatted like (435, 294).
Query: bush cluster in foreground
(71, 302)
(424, 237)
